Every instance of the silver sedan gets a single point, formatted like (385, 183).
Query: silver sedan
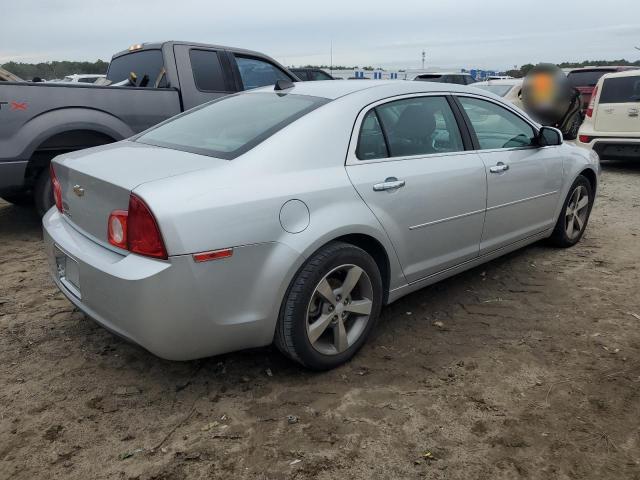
(293, 214)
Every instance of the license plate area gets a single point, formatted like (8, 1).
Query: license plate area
(67, 271)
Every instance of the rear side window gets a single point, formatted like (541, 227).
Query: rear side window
(414, 126)
(232, 125)
(207, 71)
(258, 73)
(143, 63)
(621, 90)
(319, 75)
(497, 127)
(301, 74)
(586, 78)
(429, 78)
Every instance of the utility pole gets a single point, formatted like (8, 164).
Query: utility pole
(331, 55)
(424, 56)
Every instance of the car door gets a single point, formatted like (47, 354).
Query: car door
(523, 179)
(408, 162)
(204, 75)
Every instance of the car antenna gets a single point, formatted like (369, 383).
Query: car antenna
(283, 85)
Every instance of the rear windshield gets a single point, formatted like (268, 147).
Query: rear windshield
(586, 78)
(500, 90)
(144, 62)
(621, 90)
(231, 126)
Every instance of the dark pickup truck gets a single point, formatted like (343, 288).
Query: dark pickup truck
(147, 84)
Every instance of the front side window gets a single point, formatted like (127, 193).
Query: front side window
(207, 70)
(232, 125)
(258, 73)
(497, 127)
(413, 126)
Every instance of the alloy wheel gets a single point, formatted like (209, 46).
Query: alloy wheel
(576, 212)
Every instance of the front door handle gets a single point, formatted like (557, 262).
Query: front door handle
(391, 183)
(499, 168)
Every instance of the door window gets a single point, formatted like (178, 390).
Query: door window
(419, 126)
(497, 127)
(258, 73)
(319, 75)
(207, 70)
(371, 143)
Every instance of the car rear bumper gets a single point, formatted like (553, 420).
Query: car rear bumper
(177, 309)
(614, 148)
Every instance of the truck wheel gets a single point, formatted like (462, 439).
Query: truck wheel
(572, 134)
(43, 193)
(19, 199)
(330, 308)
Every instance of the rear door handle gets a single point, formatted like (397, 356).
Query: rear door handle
(391, 183)
(499, 167)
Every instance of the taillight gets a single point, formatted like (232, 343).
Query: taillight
(592, 102)
(136, 230)
(584, 138)
(57, 188)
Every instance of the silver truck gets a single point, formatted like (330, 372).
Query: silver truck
(145, 85)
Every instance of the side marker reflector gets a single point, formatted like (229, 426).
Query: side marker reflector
(212, 255)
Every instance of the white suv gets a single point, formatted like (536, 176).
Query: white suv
(612, 123)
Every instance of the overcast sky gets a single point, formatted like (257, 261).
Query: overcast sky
(392, 34)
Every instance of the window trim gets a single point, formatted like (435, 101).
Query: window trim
(352, 158)
(536, 128)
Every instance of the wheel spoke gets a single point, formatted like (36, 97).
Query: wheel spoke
(353, 275)
(325, 290)
(579, 222)
(340, 341)
(570, 227)
(362, 307)
(317, 328)
(583, 202)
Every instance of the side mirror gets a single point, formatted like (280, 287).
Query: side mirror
(549, 136)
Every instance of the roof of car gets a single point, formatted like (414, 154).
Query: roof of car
(502, 81)
(332, 89)
(159, 45)
(624, 73)
(612, 68)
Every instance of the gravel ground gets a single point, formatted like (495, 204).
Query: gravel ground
(526, 367)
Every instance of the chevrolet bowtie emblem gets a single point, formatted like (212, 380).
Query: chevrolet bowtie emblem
(78, 190)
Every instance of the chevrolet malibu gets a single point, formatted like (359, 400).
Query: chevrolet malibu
(292, 214)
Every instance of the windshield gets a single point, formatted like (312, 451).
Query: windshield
(500, 90)
(144, 62)
(232, 125)
(586, 78)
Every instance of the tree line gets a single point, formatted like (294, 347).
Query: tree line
(60, 69)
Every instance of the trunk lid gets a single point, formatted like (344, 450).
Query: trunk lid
(97, 181)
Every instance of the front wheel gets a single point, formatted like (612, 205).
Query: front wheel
(330, 307)
(574, 214)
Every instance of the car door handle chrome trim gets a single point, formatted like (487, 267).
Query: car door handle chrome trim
(499, 168)
(391, 183)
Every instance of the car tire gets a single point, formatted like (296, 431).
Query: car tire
(348, 278)
(572, 134)
(573, 218)
(43, 193)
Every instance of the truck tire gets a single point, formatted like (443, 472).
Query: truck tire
(19, 199)
(43, 193)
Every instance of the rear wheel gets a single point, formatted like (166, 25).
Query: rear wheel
(331, 307)
(574, 215)
(43, 193)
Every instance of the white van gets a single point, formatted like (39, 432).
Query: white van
(612, 123)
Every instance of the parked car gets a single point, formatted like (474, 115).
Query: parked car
(445, 77)
(612, 123)
(294, 214)
(585, 79)
(509, 89)
(158, 81)
(311, 74)
(82, 78)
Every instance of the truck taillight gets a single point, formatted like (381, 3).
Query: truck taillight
(592, 102)
(56, 187)
(136, 230)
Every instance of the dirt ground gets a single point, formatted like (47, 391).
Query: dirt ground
(526, 367)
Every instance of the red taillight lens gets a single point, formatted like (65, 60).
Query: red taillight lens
(143, 234)
(117, 228)
(57, 188)
(136, 230)
(584, 138)
(592, 102)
